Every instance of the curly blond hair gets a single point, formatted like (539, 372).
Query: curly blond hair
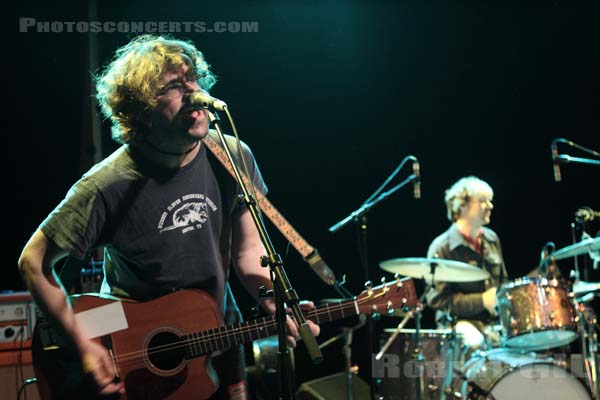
(129, 84)
(459, 193)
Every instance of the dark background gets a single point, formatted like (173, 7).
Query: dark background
(331, 96)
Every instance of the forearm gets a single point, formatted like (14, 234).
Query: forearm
(247, 249)
(253, 276)
(35, 265)
(50, 298)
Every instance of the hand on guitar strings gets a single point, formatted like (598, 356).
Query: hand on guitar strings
(97, 363)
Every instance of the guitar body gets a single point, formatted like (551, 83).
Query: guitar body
(148, 374)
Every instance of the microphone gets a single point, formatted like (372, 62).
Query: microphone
(586, 214)
(556, 163)
(204, 100)
(417, 180)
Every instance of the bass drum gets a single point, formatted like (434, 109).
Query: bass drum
(504, 374)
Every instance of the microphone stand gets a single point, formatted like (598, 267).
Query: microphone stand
(566, 159)
(366, 206)
(283, 291)
(359, 217)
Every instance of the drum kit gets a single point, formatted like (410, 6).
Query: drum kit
(536, 354)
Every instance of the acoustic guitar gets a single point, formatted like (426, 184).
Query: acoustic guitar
(161, 348)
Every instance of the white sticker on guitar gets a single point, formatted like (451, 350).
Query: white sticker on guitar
(102, 320)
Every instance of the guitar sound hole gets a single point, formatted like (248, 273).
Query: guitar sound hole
(165, 351)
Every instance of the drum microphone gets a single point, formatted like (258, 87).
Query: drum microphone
(556, 162)
(417, 180)
(585, 214)
(204, 100)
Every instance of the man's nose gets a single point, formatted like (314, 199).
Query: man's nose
(191, 86)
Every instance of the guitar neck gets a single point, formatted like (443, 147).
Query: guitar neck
(221, 338)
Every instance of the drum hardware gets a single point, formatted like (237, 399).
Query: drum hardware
(434, 389)
(580, 287)
(397, 330)
(431, 270)
(410, 370)
(473, 388)
(587, 323)
(586, 245)
(414, 312)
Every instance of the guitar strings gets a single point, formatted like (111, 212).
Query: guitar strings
(270, 322)
(232, 332)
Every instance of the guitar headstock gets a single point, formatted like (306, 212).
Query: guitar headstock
(388, 296)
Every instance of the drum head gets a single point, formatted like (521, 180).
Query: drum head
(542, 340)
(539, 381)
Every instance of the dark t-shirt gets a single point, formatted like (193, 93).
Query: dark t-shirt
(163, 229)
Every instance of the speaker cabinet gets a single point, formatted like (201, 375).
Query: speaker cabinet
(16, 368)
(333, 387)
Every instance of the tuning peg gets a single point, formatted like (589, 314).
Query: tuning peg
(390, 308)
(385, 287)
(398, 280)
(368, 285)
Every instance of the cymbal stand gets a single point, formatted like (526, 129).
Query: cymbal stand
(447, 388)
(589, 346)
(419, 354)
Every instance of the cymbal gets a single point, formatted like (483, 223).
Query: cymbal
(589, 244)
(581, 287)
(445, 270)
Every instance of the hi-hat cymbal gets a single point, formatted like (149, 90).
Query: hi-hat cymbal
(445, 270)
(589, 244)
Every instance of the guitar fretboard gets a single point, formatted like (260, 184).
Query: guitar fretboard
(205, 342)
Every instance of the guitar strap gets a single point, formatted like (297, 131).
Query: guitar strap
(308, 252)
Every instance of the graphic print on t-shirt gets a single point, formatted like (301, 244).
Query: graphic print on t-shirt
(187, 213)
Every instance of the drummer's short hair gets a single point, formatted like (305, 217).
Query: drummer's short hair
(462, 191)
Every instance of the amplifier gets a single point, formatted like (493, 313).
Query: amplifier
(17, 320)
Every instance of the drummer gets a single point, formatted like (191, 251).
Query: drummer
(471, 305)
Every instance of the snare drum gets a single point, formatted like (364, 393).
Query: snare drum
(536, 314)
(505, 374)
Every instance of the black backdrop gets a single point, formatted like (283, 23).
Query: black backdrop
(331, 96)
